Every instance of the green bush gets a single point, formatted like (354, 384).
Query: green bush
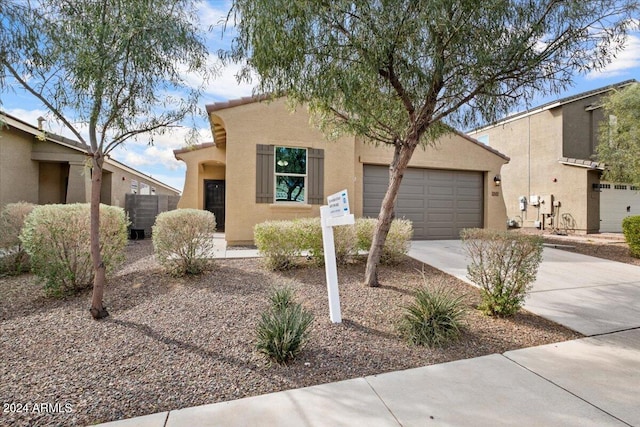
(13, 257)
(631, 230)
(398, 239)
(504, 265)
(434, 318)
(183, 240)
(283, 329)
(344, 238)
(57, 238)
(279, 242)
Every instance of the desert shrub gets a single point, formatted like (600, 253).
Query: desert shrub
(345, 241)
(631, 230)
(57, 238)
(310, 238)
(398, 239)
(433, 318)
(279, 242)
(344, 237)
(503, 265)
(283, 329)
(183, 240)
(13, 257)
(364, 233)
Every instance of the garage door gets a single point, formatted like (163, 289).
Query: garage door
(615, 199)
(440, 203)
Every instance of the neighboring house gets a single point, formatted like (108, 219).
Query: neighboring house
(42, 168)
(268, 163)
(552, 180)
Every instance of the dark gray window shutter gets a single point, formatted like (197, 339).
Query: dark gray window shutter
(264, 174)
(315, 174)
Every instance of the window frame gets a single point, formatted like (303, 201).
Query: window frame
(304, 176)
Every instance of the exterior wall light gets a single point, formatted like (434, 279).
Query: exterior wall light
(497, 181)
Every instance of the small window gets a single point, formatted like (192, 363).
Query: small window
(290, 174)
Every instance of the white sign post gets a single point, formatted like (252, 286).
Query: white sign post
(337, 213)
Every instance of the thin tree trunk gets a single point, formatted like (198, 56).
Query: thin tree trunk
(98, 311)
(401, 157)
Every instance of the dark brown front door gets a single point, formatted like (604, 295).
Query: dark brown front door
(214, 200)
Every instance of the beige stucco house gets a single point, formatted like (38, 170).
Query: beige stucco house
(553, 180)
(42, 168)
(268, 163)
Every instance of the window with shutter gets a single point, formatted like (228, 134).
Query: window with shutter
(289, 175)
(264, 174)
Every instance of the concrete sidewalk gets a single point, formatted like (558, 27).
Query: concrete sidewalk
(593, 381)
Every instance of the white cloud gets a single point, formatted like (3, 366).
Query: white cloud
(226, 86)
(176, 180)
(51, 124)
(29, 116)
(625, 62)
(222, 85)
(157, 160)
(213, 13)
(140, 153)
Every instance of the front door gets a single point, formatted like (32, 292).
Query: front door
(214, 200)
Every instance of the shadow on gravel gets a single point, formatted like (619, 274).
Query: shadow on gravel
(367, 330)
(177, 344)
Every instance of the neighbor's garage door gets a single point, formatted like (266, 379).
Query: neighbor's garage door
(615, 199)
(439, 202)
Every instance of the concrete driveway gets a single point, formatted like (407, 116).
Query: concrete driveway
(590, 295)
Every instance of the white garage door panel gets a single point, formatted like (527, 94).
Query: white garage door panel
(614, 200)
(439, 202)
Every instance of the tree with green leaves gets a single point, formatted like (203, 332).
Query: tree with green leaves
(619, 139)
(403, 72)
(114, 69)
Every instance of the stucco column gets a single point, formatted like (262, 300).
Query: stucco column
(79, 185)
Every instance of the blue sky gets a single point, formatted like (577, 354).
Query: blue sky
(158, 161)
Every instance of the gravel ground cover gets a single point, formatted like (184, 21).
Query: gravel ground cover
(593, 246)
(173, 343)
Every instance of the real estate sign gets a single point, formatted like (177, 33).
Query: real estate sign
(338, 204)
(336, 213)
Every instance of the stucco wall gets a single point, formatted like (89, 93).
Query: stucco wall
(36, 171)
(250, 124)
(534, 144)
(272, 123)
(18, 173)
(52, 183)
(202, 163)
(580, 127)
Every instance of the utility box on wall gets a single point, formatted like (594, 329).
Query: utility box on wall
(546, 204)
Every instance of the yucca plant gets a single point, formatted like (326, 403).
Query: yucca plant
(281, 297)
(433, 318)
(283, 329)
